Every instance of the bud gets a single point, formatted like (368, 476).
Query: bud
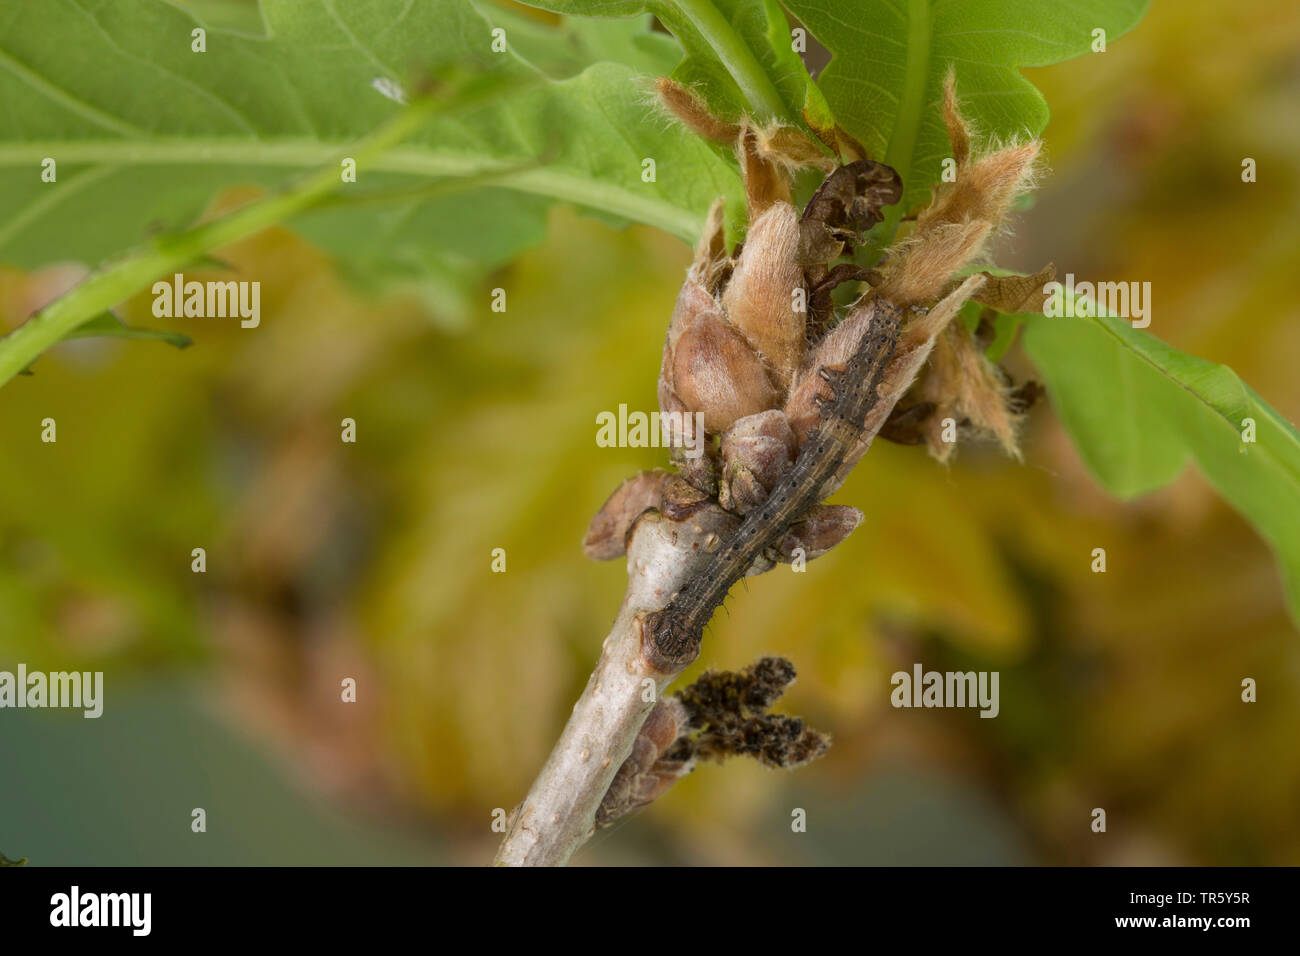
(607, 534)
(824, 528)
(700, 471)
(965, 386)
(710, 367)
(832, 352)
(649, 770)
(756, 451)
(760, 298)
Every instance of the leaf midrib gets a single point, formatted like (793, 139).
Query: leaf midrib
(737, 58)
(570, 186)
(911, 101)
(1274, 460)
(1217, 413)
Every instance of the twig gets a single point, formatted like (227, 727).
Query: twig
(559, 813)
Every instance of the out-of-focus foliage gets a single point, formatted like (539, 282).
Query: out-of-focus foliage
(1119, 690)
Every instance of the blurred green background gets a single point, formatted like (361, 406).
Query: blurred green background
(372, 560)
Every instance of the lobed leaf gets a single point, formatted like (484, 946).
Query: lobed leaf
(884, 81)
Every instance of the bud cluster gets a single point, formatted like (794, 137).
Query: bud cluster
(755, 336)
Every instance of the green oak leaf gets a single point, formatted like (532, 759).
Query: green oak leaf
(566, 49)
(884, 82)
(145, 132)
(739, 54)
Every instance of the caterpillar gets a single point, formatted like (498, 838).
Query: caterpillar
(675, 631)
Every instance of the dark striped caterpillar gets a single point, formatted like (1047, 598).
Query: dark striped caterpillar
(674, 633)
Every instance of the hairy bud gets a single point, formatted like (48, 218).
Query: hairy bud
(760, 299)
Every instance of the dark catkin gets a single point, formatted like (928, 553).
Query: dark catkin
(774, 740)
(719, 695)
(723, 714)
(727, 710)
